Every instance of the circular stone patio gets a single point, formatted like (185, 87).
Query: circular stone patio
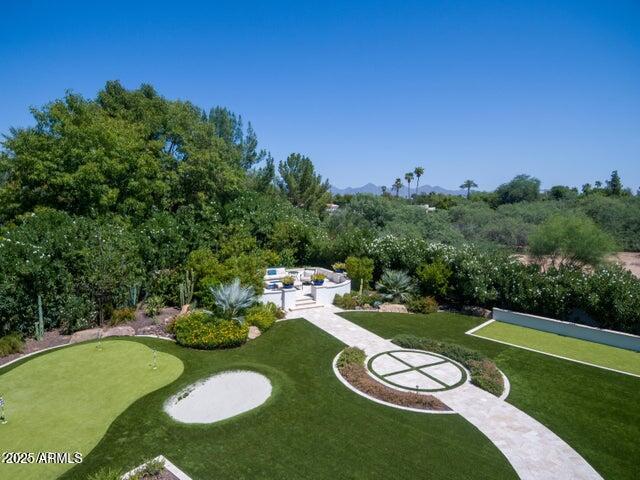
(416, 370)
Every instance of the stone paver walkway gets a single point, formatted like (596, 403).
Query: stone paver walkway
(534, 451)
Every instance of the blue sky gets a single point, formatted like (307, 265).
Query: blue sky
(471, 89)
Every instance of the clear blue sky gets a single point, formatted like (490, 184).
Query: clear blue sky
(470, 89)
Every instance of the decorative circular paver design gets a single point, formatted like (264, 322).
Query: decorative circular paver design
(417, 370)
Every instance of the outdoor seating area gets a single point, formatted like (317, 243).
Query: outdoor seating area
(304, 287)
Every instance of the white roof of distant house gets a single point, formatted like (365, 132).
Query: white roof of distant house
(332, 207)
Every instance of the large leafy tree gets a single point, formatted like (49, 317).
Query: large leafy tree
(523, 188)
(302, 186)
(572, 240)
(128, 151)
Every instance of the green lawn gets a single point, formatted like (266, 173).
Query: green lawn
(594, 410)
(598, 354)
(65, 400)
(312, 428)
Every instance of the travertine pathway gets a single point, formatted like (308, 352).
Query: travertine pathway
(534, 451)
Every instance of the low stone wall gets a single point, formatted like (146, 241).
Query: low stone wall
(272, 296)
(569, 329)
(324, 294)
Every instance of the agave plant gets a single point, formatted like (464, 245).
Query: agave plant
(232, 298)
(396, 285)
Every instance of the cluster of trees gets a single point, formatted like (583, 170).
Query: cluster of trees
(125, 191)
(109, 200)
(396, 186)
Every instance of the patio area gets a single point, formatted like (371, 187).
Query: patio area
(303, 288)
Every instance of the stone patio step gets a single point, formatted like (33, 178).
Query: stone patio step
(305, 306)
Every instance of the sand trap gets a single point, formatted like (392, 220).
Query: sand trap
(221, 396)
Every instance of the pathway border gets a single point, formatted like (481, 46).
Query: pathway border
(382, 402)
(473, 333)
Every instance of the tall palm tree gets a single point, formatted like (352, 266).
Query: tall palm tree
(469, 184)
(418, 172)
(397, 185)
(409, 178)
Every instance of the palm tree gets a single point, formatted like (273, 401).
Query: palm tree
(418, 172)
(408, 177)
(232, 298)
(469, 184)
(396, 285)
(397, 185)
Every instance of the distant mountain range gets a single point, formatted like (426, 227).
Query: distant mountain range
(376, 190)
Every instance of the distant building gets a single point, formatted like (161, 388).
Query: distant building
(332, 207)
(427, 208)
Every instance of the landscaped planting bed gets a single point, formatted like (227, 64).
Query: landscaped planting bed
(351, 367)
(484, 373)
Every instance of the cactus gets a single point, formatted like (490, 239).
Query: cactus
(133, 295)
(40, 323)
(186, 288)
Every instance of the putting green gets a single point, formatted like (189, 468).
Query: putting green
(65, 400)
(572, 348)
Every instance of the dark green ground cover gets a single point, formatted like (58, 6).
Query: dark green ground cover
(595, 411)
(313, 427)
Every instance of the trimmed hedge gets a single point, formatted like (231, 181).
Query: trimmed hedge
(202, 330)
(484, 373)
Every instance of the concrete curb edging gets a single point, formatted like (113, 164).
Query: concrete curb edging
(475, 329)
(377, 400)
(167, 465)
(27, 355)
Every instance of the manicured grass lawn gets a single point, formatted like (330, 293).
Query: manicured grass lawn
(598, 354)
(313, 427)
(65, 400)
(595, 411)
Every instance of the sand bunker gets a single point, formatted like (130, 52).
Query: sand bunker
(221, 396)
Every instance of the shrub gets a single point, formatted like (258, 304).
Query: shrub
(434, 278)
(361, 269)
(232, 298)
(351, 356)
(151, 468)
(346, 301)
(396, 285)
(339, 267)
(422, 305)
(123, 315)
(106, 474)
(261, 316)
(11, 343)
(153, 305)
(318, 277)
(200, 329)
(571, 240)
(166, 285)
(484, 373)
